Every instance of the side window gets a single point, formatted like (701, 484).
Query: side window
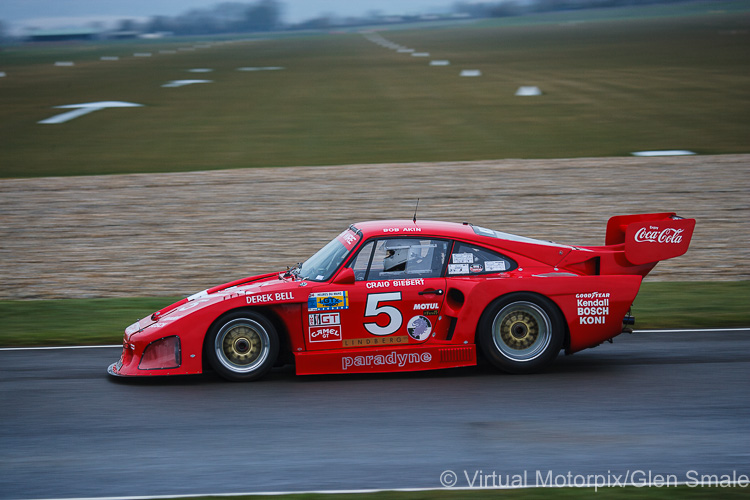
(399, 258)
(469, 259)
(362, 261)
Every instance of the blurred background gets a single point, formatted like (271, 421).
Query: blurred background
(161, 147)
(154, 148)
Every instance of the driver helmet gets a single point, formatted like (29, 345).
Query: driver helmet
(395, 258)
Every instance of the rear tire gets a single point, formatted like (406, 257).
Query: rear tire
(521, 332)
(242, 346)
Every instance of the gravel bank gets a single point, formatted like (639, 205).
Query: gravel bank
(175, 234)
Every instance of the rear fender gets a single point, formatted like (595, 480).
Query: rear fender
(593, 306)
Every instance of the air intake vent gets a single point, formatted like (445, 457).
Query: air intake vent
(455, 354)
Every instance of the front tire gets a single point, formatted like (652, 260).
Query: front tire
(242, 346)
(521, 332)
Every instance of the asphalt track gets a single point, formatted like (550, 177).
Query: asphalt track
(671, 404)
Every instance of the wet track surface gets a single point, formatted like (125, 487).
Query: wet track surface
(658, 403)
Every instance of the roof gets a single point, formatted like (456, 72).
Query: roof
(445, 230)
(410, 228)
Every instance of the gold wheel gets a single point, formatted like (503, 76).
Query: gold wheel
(521, 331)
(242, 345)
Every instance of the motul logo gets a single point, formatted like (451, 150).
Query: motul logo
(655, 235)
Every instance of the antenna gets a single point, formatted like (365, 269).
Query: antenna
(415, 212)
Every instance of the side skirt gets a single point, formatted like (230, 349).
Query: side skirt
(384, 360)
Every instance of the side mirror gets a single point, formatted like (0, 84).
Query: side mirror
(345, 277)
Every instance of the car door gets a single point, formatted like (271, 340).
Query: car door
(396, 298)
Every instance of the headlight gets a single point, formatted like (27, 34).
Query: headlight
(161, 354)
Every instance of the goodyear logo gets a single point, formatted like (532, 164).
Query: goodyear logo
(328, 301)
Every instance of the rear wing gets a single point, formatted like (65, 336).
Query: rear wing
(650, 237)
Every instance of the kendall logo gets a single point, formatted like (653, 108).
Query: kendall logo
(653, 234)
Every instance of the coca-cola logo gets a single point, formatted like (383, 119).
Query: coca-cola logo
(653, 234)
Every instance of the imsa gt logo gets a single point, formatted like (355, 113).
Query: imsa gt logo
(325, 327)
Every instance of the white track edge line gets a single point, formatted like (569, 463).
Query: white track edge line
(697, 330)
(740, 484)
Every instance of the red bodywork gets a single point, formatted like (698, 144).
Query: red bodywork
(349, 324)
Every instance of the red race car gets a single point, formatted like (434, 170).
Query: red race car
(409, 295)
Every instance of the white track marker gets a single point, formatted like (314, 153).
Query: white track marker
(265, 68)
(182, 83)
(85, 108)
(672, 152)
(528, 91)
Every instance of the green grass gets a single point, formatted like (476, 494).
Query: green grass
(692, 305)
(676, 78)
(102, 321)
(72, 321)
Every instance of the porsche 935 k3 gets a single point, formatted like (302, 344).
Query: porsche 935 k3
(407, 295)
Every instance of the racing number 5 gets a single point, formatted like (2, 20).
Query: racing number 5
(395, 319)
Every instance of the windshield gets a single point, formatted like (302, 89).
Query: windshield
(322, 265)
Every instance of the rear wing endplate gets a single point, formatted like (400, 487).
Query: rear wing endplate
(650, 237)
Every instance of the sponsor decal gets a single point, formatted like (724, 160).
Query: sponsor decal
(324, 319)
(328, 301)
(376, 341)
(404, 229)
(458, 268)
(392, 359)
(653, 234)
(262, 298)
(593, 308)
(476, 268)
(495, 265)
(349, 238)
(325, 333)
(325, 327)
(419, 328)
(422, 307)
(395, 283)
(463, 258)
